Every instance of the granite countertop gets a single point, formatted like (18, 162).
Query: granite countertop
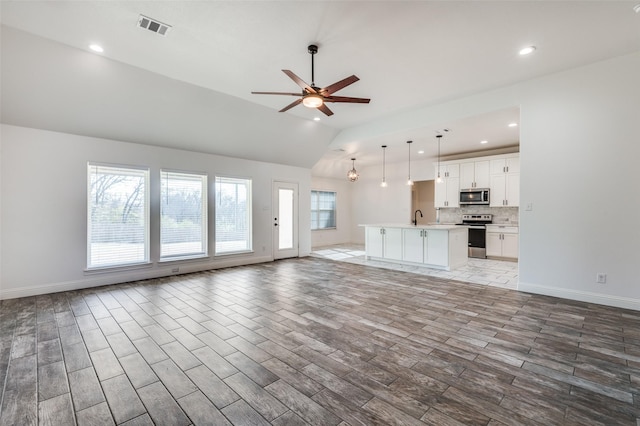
(443, 226)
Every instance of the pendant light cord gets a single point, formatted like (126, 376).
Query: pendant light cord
(409, 177)
(439, 137)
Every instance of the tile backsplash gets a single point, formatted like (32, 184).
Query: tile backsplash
(500, 214)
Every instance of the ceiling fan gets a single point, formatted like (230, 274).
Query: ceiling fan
(316, 97)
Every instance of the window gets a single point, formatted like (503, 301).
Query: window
(323, 210)
(118, 216)
(183, 215)
(233, 215)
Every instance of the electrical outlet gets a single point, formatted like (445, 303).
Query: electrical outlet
(175, 270)
(601, 278)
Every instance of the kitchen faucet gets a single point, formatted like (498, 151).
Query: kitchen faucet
(415, 217)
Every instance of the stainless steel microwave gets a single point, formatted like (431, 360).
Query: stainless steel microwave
(474, 196)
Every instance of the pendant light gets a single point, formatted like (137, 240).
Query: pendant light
(409, 181)
(383, 184)
(438, 178)
(352, 174)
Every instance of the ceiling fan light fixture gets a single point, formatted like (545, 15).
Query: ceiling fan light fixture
(312, 101)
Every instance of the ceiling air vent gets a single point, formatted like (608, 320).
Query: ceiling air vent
(153, 25)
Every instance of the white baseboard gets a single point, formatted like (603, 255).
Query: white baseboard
(122, 277)
(583, 296)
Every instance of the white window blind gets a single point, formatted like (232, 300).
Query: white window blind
(323, 210)
(183, 215)
(233, 215)
(118, 216)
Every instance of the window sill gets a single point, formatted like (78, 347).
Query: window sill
(324, 229)
(232, 253)
(198, 257)
(117, 268)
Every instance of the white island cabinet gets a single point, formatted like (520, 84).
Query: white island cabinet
(434, 246)
(384, 242)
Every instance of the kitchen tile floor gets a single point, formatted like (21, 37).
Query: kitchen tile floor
(311, 341)
(495, 273)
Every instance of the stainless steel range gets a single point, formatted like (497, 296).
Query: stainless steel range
(477, 233)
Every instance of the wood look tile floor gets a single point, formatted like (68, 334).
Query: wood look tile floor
(313, 341)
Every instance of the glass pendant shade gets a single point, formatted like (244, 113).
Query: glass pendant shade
(352, 174)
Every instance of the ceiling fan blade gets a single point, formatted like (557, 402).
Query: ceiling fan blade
(291, 105)
(346, 99)
(299, 81)
(326, 110)
(276, 93)
(339, 85)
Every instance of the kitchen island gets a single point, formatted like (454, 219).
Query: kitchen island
(434, 246)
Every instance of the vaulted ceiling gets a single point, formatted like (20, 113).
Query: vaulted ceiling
(191, 89)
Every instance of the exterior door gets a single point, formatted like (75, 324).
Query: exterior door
(285, 220)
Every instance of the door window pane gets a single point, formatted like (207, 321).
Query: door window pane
(285, 219)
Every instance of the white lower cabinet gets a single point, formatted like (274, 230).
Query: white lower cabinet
(502, 241)
(426, 246)
(384, 242)
(435, 246)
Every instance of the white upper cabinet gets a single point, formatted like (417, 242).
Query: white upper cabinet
(447, 192)
(505, 182)
(499, 173)
(474, 174)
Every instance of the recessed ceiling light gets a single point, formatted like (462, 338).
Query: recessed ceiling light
(513, 124)
(421, 152)
(636, 8)
(316, 118)
(527, 50)
(483, 142)
(96, 48)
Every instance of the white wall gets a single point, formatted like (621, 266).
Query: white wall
(580, 147)
(342, 233)
(43, 179)
(374, 204)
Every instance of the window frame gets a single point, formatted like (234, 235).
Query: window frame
(92, 168)
(204, 214)
(248, 182)
(314, 192)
